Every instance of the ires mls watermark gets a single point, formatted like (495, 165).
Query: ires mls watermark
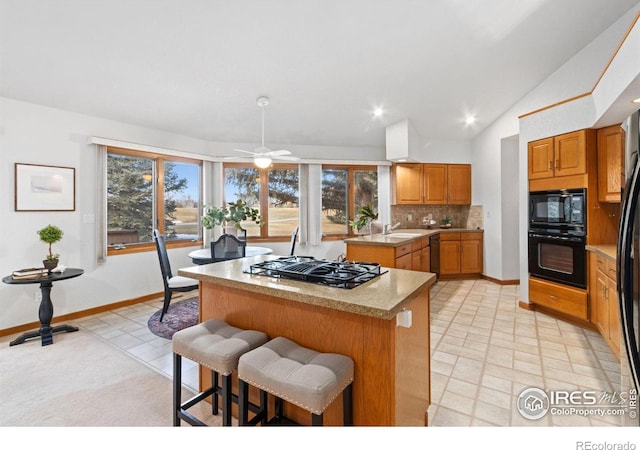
(534, 403)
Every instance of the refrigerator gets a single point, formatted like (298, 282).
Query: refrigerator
(628, 265)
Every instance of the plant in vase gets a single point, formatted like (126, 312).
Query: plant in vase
(366, 215)
(50, 235)
(232, 215)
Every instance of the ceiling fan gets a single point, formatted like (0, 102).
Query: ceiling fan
(262, 156)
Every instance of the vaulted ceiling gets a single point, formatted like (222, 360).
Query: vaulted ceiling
(196, 67)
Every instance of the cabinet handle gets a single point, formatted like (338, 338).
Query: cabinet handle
(553, 297)
(549, 165)
(555, 165)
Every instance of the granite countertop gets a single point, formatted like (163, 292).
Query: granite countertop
(383, 297)
(402, 236)
(606, 250)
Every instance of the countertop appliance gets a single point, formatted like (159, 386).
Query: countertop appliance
(628, 263)
(340, 274)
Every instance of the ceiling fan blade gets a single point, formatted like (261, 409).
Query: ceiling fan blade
(278, 152)
(287, 158)
(244, 151)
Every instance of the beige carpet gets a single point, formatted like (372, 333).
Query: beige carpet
(80, 380)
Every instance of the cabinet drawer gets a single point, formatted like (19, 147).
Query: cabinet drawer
(416, 245)
(470, 236)
(425, 241)
(601, 263)
(449, 236)
(565, 299)
(403, 250)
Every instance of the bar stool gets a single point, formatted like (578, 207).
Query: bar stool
(298, 375)
(217, 346)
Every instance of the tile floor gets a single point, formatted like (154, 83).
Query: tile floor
(485, 351)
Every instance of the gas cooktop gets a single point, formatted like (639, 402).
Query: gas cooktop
(345, 274)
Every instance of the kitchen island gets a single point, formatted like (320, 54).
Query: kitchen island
(392, 363)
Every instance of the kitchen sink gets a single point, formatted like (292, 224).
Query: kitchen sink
(404, 235)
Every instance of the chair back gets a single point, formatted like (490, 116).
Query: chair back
(294, 236)
(165, 267)
(227, 247)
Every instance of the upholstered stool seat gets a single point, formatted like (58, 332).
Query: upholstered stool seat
(298, 375)
(218, 346)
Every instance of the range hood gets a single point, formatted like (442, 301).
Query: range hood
(403, 143)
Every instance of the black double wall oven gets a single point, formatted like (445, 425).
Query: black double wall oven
(557, 236)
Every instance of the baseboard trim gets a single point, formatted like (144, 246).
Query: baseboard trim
(83, 313)
(502, 282)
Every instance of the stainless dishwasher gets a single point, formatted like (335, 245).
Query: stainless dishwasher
(434, 243)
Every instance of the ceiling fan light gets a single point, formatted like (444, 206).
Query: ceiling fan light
(262, 161)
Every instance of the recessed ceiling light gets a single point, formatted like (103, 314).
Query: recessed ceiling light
(637, 100)
(470, 120)
(378, 112)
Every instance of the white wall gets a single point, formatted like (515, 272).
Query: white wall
(40, 135)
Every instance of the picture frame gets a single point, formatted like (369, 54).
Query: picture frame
(44, 188)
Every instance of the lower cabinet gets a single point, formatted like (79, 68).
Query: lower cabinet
(605, 313)
(460, 254)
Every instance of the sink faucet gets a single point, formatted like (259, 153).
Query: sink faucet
(388, 228)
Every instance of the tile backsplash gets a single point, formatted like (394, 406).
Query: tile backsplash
(462, 216)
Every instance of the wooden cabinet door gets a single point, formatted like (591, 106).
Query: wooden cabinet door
(614, 317)
(570, 151)
(459, 184)
(408, 184)
(416, 260)
(404, 262)
(449, 257)
(601, 313)
(426, 259)
(471, 256)
(610, 165)
(435, 184)
(541, 158)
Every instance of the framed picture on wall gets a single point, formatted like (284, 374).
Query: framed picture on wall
(44, 188)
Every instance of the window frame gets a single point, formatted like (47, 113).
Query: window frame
(264, 196)
(159, 160)
(351, 201)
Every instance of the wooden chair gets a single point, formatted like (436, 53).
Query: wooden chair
(171, 283)
(228, 247)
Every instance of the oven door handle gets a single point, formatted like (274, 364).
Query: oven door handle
(557, 238)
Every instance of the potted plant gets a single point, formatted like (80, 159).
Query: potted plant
(366, 215)
(231, 215)
(50, 235)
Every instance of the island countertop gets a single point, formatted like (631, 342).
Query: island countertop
(383, 297)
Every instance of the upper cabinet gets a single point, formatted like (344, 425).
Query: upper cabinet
(558, 156)
(432, 184)
(561, 162)
(610, 163)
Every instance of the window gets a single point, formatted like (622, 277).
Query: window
(147, 191)
(274, 191)
(344, 190)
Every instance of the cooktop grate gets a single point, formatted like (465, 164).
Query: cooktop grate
(346, 275)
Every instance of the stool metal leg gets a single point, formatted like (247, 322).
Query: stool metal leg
(317, 420)
(243, 403)
(226, 400)
(177, 388)
(215, 383)
(347, 405)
